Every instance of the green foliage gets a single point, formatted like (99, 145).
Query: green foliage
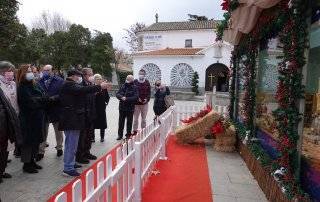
(8, 23)
(195, 82)
(122, 76)
(291, 26)
(102, 54)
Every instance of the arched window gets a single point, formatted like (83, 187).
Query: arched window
(181, 75)
(153, 72)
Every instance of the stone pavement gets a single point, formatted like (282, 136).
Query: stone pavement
(231, 181)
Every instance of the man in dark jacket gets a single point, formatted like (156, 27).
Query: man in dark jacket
(87, 134)
(73, 115)
(142, 106)
(51, 85)
(128, 95)
(9, 121)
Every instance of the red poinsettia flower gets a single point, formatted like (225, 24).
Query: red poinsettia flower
(217, 128)
(225, 5)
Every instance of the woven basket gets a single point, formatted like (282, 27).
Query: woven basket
(225, 142)
(200, 128)
(224, 148)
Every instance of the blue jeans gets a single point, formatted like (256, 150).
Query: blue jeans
(70, 149)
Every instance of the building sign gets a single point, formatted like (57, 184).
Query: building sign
(152, 42)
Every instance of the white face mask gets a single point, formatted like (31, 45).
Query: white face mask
(79, 80)
(91, 79)
(29, 76)
(141, 77)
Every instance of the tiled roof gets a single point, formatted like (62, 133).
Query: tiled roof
(186, 25)
(172, 51)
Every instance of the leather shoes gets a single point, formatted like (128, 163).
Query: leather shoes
(28, 168)
(83, 161)
(39, 157)
(6, 176)
(59, 152)
(91, 157)
(77, 166)
(36, 166)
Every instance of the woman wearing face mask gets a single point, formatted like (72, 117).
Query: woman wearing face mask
(101, 101)
(161, 91)
(32, 102)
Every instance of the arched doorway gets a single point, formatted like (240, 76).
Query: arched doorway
(217, 75)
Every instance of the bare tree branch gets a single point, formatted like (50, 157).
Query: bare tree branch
(51, 22)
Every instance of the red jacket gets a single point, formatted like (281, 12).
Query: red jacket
(144, 90)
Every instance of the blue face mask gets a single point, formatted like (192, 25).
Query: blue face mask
(45, 75)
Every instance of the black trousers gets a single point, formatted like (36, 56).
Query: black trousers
(84, 144)
(3, 154)
(125, 115)
(29, 152)
(102, 133)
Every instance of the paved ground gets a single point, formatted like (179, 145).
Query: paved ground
(230, 179)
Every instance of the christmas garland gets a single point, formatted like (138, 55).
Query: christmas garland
(290, 23)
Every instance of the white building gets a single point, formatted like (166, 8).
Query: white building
(173, 51)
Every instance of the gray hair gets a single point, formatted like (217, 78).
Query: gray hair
(5, 65)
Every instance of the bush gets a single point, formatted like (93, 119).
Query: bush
(122, 77)
(195, 81)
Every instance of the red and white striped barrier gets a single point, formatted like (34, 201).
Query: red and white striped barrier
(135, 161)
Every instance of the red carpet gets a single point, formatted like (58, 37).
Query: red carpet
(68, 188)
(184, 177)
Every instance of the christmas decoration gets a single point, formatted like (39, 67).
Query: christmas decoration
(288, 21)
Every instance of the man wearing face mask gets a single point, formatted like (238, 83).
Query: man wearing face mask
(128, 96)
(141, 106)
(51, 85)
(73, 115)
(87, 134)
(9, 122)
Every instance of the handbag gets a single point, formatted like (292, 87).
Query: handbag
(169, 100)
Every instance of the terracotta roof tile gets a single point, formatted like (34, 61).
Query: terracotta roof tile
(172, 51)
(186, 25)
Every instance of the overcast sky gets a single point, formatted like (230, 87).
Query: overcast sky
(115, 15)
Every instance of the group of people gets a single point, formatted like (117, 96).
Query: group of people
(75, 106)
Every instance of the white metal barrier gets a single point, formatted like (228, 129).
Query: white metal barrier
(135, 161)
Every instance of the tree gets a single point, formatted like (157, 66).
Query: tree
(51, 22)
(9, 25)
(197, 18)
(77, 45)
(102, 53)
(195, 81)
(56, 50)
(132, 39)
(35, 46)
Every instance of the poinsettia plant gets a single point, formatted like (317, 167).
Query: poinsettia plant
(217, 128)
(198, 115)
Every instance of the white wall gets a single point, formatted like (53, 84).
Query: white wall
(176, 39)
(198, 63)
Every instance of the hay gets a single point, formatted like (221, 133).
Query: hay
(200, 128)
(225, 142)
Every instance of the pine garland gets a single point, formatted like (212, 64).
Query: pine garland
(289, 22)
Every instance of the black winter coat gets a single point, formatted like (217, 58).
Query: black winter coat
(73, 105)
(159, 105)
(9, 121)
(102, 100)
(32, 104)
(130, 91)
(90, 106)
